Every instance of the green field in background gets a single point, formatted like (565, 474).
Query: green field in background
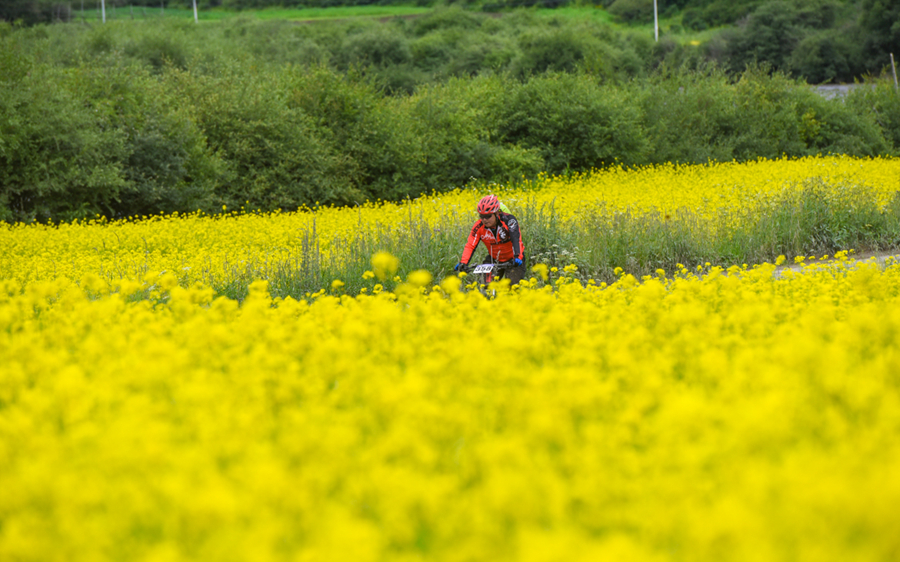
(154, 12)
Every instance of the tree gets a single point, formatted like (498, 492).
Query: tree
(770, 35)
(880, 22)
(28, 12)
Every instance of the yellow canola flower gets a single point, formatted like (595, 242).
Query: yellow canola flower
(167, 281)
(695, 411)
(384, 265)
(420, 278)
(451, 284)
(144, 416)
(232, 248)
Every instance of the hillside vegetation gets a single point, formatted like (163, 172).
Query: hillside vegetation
(141, 117)
(817, 40)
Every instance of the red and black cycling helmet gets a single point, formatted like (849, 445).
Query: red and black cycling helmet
(488, 205)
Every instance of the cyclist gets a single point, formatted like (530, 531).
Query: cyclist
(501, 235)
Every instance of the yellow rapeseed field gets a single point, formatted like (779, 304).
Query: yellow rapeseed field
(696, 415)
(235, 244)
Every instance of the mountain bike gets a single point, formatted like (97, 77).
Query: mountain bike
(485, 273)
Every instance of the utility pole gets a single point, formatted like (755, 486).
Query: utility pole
(894, 68)
(195, 11)
(103, 9)
(655, 21)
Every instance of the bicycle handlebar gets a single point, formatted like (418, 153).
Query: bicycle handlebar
(488, 267)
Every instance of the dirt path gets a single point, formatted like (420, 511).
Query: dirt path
(880, 258)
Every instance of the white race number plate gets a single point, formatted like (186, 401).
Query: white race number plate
(483, 268)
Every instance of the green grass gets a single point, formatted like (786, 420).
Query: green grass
(305, 14)
(811, 222)
(599, 14)
(577, 12)
(338, 12)
(580, 13)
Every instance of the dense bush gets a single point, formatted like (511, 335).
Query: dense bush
(694, 19)
(827, 56)
(272, 155)
(701, 116)
(58, 159)
(700, 15)
(632, 11)
(107, 140)
(796, 37)
(166, 164)
(554, 49)
(572, 123)
(880, 23)
(881, 101)
(26, 11)
(778, 118)
(770, 35)
(689, 116)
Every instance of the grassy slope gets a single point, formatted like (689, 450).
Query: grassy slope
(598, 14)
(306, 14)
(595, 14)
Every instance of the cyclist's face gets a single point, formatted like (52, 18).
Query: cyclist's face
(489, 221)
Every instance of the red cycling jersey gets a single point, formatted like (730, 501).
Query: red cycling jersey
(503, 242)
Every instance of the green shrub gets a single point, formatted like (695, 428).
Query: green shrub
(575, 124)
(379, 46)
(669, 53)
(58, 158)
(770, 35)
(454, 146)
(435, 140)
(159, 47)
(272, 156)
(823, 57)
(818, 14)
(693, 19)
(700, 116)
(14, 63)
(100, 39)
(795, 36)
(281, 42)
(29, 12)
(101, 140)
(550, 50)
(779, 116)
(434, 50)
(377, 152)
(632, 11)
(451, 17)
(689, 117)
(165, 164)
(727, 12)
(880, 100)
(493, 54)
(880, 21)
